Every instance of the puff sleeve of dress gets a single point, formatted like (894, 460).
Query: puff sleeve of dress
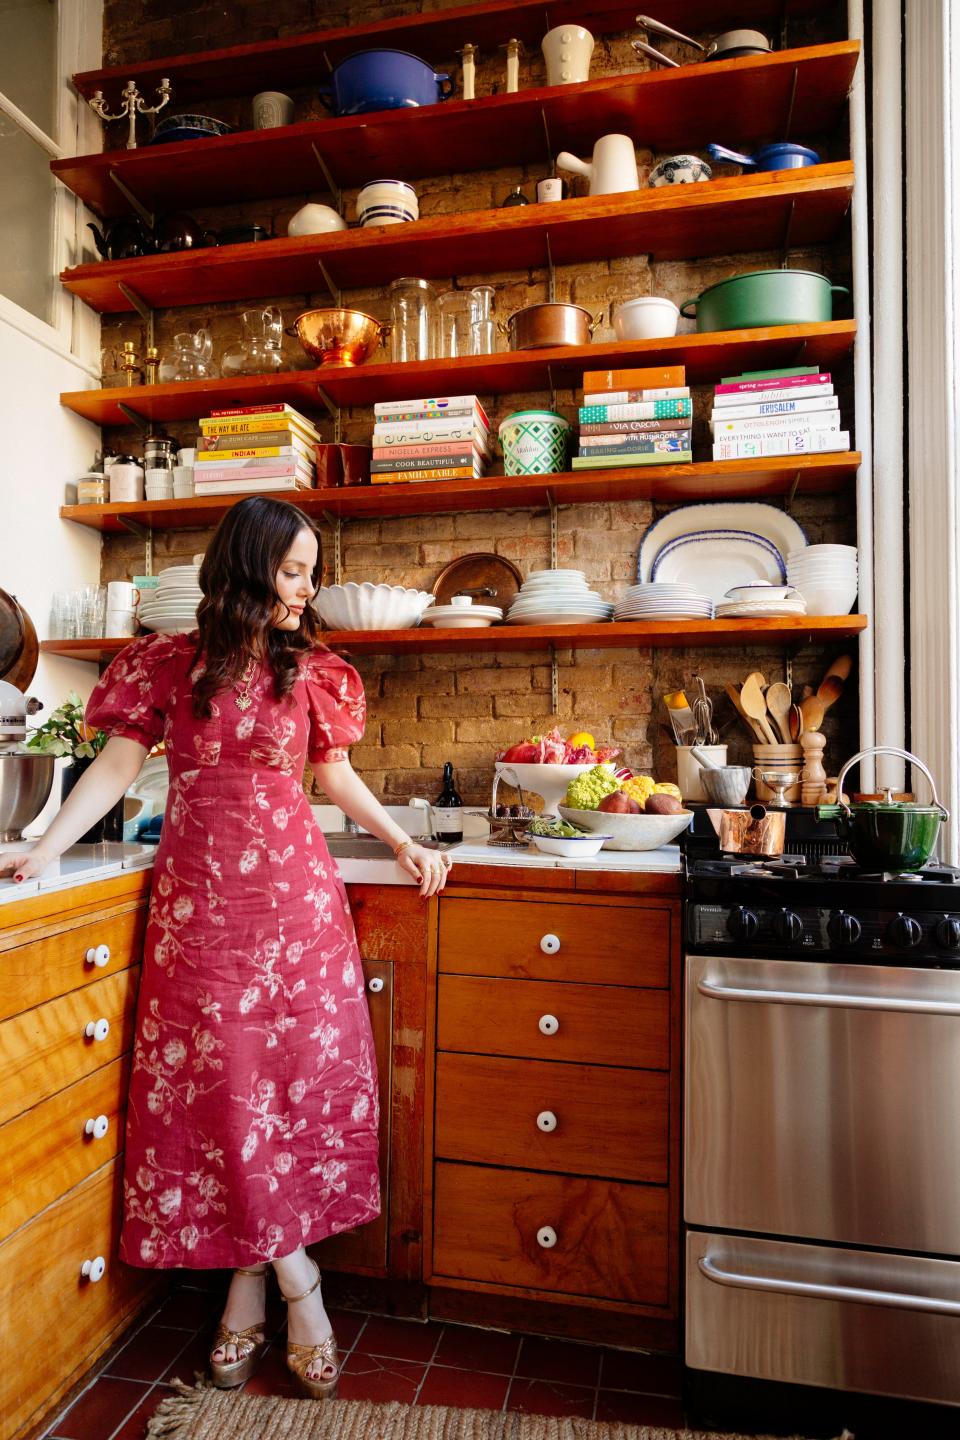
(132, 694)
(337, 707)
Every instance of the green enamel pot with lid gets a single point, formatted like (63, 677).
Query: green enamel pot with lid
(764, 297)
(887, 835)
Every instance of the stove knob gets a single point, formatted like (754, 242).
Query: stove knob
(948, 933)
(844, 929)
(742, 923)
(788, 927)
(905, 932)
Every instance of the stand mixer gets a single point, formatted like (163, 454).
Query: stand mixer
(26, 777)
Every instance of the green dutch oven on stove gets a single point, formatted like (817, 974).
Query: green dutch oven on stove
(887, 834)
(764, 297)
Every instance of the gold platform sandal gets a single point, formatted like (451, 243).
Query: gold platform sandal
(301, 1357)
(226, 1374)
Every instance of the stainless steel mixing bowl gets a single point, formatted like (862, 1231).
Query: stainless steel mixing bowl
(25, 784)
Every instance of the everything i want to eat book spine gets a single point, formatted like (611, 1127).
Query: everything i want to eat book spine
(801, 442)
(775, 407)
(776, 382)
(636, 379)
(644, 410)
(652, 457)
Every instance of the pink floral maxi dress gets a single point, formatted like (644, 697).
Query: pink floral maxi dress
(252, 1118)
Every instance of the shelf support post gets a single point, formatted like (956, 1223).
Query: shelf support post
(144, 533)
(546, 132)
(333, 411)
(785, 243)
(554, 682)
(788, 671)
(551, 270)
(147, 216)
(554, 537)
(336, 525)
(332, 185)
(792, 492)
(552, 387)
(134, 416)
(144, 310)
(790, 103)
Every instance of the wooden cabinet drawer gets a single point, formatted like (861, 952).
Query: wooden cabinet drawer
(605, 1240)
(46, 1049)
(45, 1151)
(611, 1122)
(595, 1024)
(53, 1317)
(56, 963)
(597, 944)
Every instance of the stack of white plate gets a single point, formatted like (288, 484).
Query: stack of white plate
(558, 597)
(172, 607)
(760, 601)
(826, 576)
(664, 601)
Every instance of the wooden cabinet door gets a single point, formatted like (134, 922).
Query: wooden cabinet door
(365, 1249)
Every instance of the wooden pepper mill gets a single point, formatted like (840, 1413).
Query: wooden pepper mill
(813, 780)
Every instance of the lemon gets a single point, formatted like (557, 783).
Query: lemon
(582, 737)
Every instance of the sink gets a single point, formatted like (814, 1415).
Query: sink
(345, 846)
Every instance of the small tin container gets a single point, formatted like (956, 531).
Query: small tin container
(126, 479)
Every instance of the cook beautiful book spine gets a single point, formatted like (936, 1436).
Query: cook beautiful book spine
(425, 462)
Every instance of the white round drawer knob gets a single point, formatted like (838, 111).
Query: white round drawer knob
(98, 955)
(546, 1121)
(548, 1024)
(550, 944)
(375, 985)
(97, 1029)
(546, 1237)
(97, 1128)
(93, 1269)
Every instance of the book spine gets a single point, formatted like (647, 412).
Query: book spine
(252, 469)
(255, 487)
(397, 414)
(644, 410)
(766, 397)
(614, 462)
(269, 420)
(632, 397)
(438, 405)
(426, 462)
(635, 379)
(776, 407)
(775, 425)
(801, 442)
(776, 382)
(255, 452)
(432, 452)
(633, 427)
(274, 408)
(451, 472)
(420, 432)
(637, 444)
(780, 374)
(255, 439)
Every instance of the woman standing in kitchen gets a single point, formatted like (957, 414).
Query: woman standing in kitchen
(252, 1115)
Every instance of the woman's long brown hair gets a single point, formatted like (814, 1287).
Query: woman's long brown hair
(236, 616)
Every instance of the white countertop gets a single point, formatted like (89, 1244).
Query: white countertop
(665, 861)
(77, 866)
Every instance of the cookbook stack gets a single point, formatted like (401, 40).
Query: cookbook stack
(436, 438)
(258, 448)
(634, 417)
(776, 412)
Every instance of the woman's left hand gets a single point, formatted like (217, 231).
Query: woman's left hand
(429, 868)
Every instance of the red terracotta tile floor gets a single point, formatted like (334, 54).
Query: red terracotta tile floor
(383, 1359)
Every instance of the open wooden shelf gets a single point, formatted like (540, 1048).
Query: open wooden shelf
(794, 632)
(750, 212)
(706, 480)
(303, 60)
(707, 357)
(802, 92)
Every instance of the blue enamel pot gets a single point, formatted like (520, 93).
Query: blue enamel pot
(782, 156)
(383, 80)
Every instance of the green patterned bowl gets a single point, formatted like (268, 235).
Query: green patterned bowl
(534, 442)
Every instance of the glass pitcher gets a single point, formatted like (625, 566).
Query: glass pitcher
(413, 320)
(189, 358)
(259, 350)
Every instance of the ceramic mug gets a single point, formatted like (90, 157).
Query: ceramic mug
(567, 50)
(612, 169)
(271, 108)
(122, 595)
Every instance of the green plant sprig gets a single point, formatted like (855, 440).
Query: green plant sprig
(65, 733)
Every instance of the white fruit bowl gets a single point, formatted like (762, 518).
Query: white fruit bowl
(548, 781)
(629, 832)
(370, 607)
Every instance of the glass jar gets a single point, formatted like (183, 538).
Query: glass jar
(413, 320)
(259, 350)
(483, 325)
(190, 358)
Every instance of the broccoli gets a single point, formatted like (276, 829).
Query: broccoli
(586, 791)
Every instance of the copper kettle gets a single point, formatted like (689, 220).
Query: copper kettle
(750, 830)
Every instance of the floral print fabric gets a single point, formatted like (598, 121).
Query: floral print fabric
(252, 1118)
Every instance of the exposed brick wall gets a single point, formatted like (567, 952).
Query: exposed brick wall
(426, 709)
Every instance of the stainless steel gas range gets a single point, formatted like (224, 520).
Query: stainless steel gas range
(822, 1126)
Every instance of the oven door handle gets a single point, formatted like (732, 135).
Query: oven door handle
(812, 1291)
(836, 1002)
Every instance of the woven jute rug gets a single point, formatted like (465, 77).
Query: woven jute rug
(207, 1414)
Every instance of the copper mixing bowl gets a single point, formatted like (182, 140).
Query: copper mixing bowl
(338, 337)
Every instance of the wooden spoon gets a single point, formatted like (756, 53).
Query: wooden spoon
(795, 723)
(831, 688)
(813, 710)
(779, 702)
(841, 668)
(751, 698)
(734, 697)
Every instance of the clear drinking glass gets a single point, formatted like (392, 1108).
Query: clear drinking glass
(413, 320)
(455, 324)
(483, 325)
(92, 612)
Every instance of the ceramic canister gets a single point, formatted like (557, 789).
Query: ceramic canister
(534, 442)
(567, 50)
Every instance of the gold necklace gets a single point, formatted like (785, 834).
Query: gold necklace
(243, 699)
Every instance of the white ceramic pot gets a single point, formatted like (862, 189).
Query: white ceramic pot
(613, 168)
(646, 318)
(567, 50)
(315, 220)
(271, 108)
(387, 202)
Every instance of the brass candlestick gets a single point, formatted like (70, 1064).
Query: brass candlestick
(131, 105)
(130, 365)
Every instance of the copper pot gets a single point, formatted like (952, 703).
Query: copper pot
(538, 327)
(338, 337)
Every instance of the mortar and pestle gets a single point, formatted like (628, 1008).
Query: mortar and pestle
(724, 784)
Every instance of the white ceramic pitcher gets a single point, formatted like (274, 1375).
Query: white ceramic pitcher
(567, 50)
(612, 169)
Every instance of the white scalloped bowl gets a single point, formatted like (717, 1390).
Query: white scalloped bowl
(629, 832)
(370, 607)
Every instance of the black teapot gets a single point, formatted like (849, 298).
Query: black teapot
(180, 232)
(122, 239)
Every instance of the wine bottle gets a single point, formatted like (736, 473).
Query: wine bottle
(448, 809)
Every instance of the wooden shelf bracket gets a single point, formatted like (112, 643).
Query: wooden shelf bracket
(551, 270)
(144, 310)
(333, 410)
(554, 530)
(144, 533)
(135, 418)
(332, 185)
(335, 291)
(147, 216)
